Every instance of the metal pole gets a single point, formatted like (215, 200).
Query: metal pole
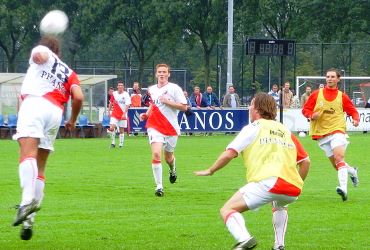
(230, 21)
(219, 80)
(269, 72)
(243, 51)
(344, 80)
(281, 87)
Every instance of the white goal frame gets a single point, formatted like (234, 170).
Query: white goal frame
(302, 79)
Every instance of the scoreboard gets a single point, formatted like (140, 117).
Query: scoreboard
(270, 47)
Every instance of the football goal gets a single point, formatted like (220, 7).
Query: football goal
(356, 87)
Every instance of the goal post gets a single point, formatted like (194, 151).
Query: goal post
(356, 87)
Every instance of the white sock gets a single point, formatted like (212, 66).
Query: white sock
(39, 191)
(343, 178)
(172, 165)
(113, 136)
(157, 173)
(27, 175)
(236, 225)
(280, 222)
(121, 138)
(351, 170)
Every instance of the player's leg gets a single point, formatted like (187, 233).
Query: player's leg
(28, 168)
(156, 148)
(235, 223)
(122, 125)
(169, 156)
(334, 147)
(112, 131)
(251, 196)
(27, 225)
(339, 144)
(43, 155)
(280, 218)
(156, 141)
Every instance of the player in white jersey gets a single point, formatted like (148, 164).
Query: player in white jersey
(119, 103)
(162, 126)
(46, 87)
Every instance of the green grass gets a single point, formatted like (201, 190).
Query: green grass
(98, 198)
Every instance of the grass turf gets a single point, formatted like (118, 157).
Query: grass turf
(101, 198)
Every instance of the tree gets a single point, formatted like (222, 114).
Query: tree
(203, 21)
(140, 24)
(18, 28)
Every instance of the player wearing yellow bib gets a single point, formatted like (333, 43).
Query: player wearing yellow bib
(326, 108)
(271, 154)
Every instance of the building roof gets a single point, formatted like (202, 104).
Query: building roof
(17, 78)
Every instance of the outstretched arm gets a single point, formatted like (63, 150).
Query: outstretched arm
(222, 161)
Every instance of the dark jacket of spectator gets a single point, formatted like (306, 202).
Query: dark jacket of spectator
(212, 99)
(193, 101)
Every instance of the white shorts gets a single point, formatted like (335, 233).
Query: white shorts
(169, 142)
(118, 123)
(256, 194)
(39, 118)
(328, 143)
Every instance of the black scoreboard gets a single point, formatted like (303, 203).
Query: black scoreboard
(270, 47)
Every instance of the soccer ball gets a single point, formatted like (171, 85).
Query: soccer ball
(302, 134)
(54, 22)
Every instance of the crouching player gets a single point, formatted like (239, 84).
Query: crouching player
(271, 154)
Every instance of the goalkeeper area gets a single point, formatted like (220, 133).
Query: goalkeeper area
(356, 87)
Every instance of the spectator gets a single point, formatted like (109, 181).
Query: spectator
(187, 98)
(271, 155)
(287, 96)
(197, 99)
(367, 104)
(305, 95)
(212, 100)
(231, 99)
(136, 95)
(274, 92)
(145, 100)
(110, 93)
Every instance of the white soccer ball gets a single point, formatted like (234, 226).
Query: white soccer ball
(54, 22)
(302, 134)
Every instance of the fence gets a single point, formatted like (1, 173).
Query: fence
(311, 59)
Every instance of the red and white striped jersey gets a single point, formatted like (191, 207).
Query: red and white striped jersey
(163, 118)
(52, 80)
(120, 101)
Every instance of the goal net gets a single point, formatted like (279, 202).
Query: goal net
(356, 87)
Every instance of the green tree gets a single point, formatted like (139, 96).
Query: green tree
(18, 28)
(204, 22)
(139, 22)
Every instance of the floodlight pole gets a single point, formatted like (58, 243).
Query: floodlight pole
(230, 23)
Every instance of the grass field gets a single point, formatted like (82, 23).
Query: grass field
(101, 198)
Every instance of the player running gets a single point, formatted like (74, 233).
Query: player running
(162, 126)
(326, 108)
(119, 103)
